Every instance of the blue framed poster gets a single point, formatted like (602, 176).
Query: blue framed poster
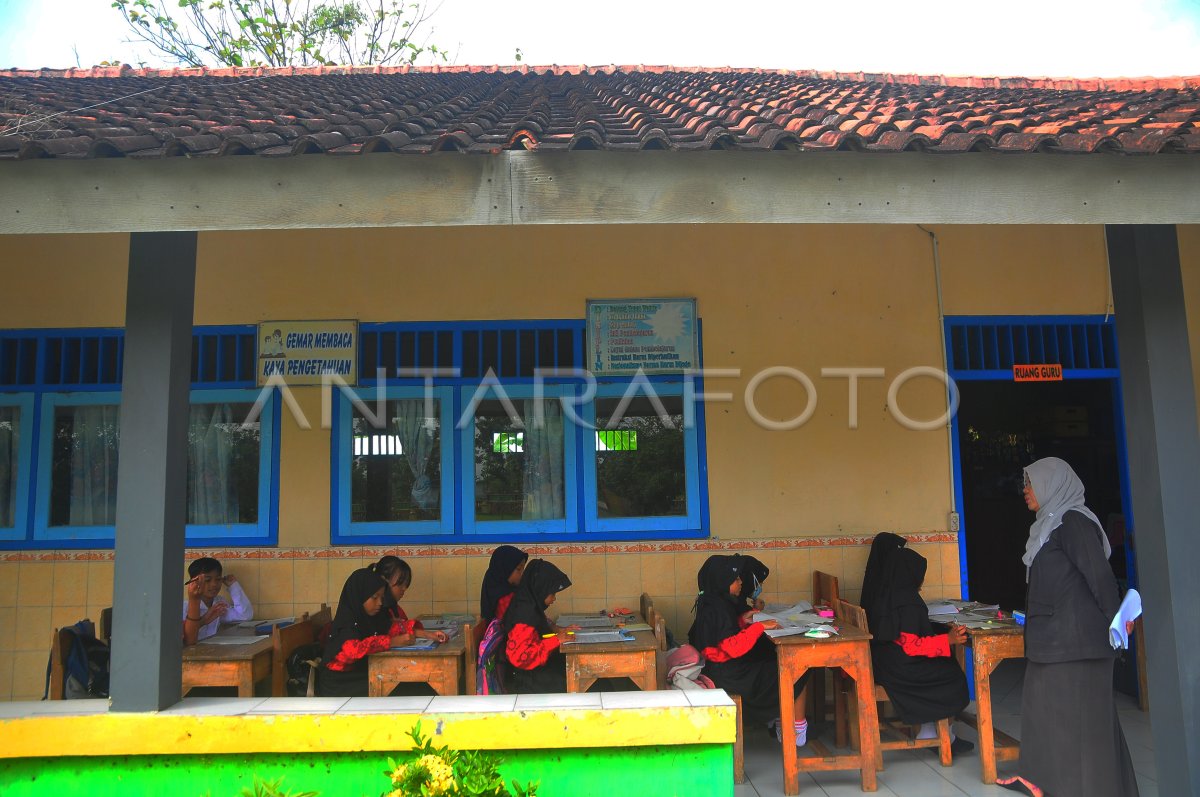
(657, 336)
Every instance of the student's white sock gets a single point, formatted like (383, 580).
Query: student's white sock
(801, 728)
(928, 731)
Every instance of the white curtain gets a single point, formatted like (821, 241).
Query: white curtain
(416, 433)
(9, 446)
(212, 494)
(95, 435)
(543, 473)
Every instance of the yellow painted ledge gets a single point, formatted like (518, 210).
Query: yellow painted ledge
(159, 734)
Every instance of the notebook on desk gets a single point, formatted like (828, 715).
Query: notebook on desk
(592, 637)
(421, 643)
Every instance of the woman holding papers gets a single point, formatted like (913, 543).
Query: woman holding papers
(1071, 739)
(741, 660)
(911, 658)
(533, 643)
(360, 628)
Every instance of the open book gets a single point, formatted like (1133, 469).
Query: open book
(420, 643)
(588, 637)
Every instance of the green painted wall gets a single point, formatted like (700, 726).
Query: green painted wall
(598, 772)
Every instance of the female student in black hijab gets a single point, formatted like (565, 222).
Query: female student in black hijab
(911, 658)
(500, 581)
(397, 574)
(360, 628)
(740, 659)
(533, 643)
(752, 573)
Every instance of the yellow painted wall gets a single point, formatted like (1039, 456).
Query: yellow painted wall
(803, 297)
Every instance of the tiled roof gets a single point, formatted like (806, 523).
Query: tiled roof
(115, 112)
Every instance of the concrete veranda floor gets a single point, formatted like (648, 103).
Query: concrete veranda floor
(918, 773)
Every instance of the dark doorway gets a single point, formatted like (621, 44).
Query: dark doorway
(1003, 426)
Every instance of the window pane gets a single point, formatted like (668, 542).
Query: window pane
(519, 468)
(10, 438)
(640, 459)
(223, 464)
(83, 466)
(396, 468)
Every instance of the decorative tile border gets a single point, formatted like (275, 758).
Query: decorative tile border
(554, 549)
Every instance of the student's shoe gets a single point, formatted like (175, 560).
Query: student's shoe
(961, 747)
(801, 732)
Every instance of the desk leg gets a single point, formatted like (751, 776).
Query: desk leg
(245, 679)
(444, 681)
(983, 708)
(868, 716)
(788, 675)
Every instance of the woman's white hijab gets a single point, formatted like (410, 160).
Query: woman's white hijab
(1058, 490)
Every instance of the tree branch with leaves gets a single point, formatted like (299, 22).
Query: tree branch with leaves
(282, 32)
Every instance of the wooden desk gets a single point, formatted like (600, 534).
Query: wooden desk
(851, 651)
(441, 668)
(991, 646)
(633, 660)
(206, 664)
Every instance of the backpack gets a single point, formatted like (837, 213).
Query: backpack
(85, 671)
(298, 665)
(489, 675)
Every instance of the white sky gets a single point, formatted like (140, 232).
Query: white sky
(1105, 38)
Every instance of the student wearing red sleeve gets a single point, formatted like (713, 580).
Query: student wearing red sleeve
(360, 628)
(500, 581)
(532, 646)
(396, 573)
(911, 658)
(741, 659)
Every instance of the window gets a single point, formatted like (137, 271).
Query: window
(509, 451)
(230, 483)
(389, 456)
(60, 440)
(16, 444)
(518, 460)
(641, 469)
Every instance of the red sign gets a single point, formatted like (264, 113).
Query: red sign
(1050, 372)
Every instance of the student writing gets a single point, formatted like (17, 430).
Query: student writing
(533, 643)
(398, 576)
(360, 628)
(741, 660)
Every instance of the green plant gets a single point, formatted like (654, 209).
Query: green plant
(273, 788)
(429, 771)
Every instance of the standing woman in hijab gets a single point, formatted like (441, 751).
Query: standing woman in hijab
(741, 660)
(533, 642)
(1071, 739)
(500, 581)
(360, 628)
(911, 659)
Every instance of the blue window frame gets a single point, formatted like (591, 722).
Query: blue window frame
(378, 489)
(65, 384)
(540, 451)
(16, 461)
(479, 359)
(635, 455)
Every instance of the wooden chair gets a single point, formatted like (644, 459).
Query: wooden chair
(471, 659)
(1140, 644)
(825, 591)
(321, 618)
(60, 647)
(647, 605)
(660, 653)
(283, 641)
(898, 736)
(739, 754)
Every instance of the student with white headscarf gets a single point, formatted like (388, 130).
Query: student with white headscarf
(1071, 739)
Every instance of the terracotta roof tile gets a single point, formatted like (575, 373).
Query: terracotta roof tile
(121, 112)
